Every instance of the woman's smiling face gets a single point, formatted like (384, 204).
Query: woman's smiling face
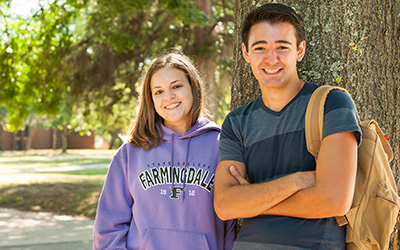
(172, 97)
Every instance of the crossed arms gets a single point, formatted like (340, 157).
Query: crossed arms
(326, 192)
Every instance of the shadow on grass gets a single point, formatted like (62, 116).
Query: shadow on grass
(78, 198)
(87, 172)
(35, 163)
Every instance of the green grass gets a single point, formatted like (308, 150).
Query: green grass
(69, 193)
(39, 162)
(86, 172)
(45, 158)
(50, 152)
(68, 198)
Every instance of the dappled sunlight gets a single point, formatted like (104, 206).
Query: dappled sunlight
(27, 178)
(29, 161)
(61, 198)
(38, 182)
(38, 228)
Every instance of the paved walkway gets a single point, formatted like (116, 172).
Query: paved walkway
(44, 231)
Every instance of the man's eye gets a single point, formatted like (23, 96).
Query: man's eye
(259, 49)
(283, 48)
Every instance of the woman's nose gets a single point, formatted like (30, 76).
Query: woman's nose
(170, 95)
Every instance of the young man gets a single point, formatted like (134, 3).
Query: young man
(291, 200)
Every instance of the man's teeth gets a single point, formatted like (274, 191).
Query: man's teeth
(271, 71)
(171, 106)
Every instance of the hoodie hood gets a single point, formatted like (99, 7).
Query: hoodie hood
(202, 126)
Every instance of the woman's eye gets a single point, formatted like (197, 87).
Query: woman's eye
(177, 86)
(158, 92)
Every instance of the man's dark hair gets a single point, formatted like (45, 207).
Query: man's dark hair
(273, 13)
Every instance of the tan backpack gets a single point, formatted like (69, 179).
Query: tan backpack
(375, 207)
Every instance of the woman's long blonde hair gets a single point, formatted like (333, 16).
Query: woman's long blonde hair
(146, 130)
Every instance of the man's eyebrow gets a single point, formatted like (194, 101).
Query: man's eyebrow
(265, 42)
(283, 41)
(259, 42)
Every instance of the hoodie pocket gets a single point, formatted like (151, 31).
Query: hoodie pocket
(162, 238)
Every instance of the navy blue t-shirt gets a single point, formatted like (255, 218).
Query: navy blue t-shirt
(272, 144)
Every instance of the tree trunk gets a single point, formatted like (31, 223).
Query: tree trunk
(354, 44)
(245, 87)
(54, 145)
(206, 54)
(1, 136)
(29, 135)
(64, 139)
(225, 79)
(114, 138)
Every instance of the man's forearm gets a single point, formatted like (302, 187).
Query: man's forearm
(311, 203)
(242, 201)
(335, 179)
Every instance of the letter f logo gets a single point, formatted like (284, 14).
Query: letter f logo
(175, 192)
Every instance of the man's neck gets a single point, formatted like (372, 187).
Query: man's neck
(277, 98)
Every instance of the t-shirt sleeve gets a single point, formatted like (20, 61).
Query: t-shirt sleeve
(230, 146)
(340, 115)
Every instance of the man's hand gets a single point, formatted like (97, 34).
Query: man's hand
(235, 197)
(305, 179)
(333, 191)
(235, 173)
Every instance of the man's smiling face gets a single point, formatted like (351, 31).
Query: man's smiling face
(273, 53)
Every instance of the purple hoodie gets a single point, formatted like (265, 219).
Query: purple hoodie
(146, 204)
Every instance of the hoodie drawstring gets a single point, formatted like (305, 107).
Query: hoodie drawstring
(184, 168)
(172, 163)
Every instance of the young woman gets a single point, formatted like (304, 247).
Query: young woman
(159, 189)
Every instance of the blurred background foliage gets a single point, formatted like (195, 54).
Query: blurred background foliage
(76, 65)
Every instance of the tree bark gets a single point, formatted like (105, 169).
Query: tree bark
(205, 55)
(54, 139)
(1, 136)
(64, 139)
(29, 135)
(245, 87)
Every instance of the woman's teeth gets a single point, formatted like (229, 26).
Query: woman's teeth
(173, 105)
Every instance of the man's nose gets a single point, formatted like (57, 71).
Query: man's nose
(270, 57)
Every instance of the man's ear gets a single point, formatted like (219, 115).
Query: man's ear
(245, 53)
(301, 51)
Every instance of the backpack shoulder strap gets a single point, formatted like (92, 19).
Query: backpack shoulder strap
(314, 119)
(314, 123)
